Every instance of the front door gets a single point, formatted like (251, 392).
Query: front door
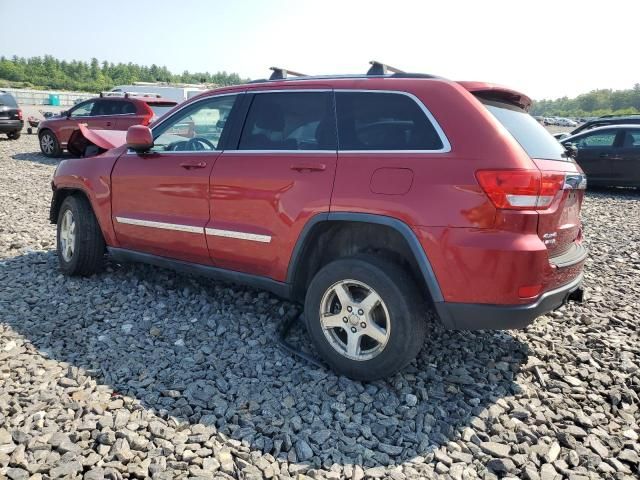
(161, 198)
(281, 175)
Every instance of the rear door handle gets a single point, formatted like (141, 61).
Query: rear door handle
(310, 167)
(604, 155)
(190, 165)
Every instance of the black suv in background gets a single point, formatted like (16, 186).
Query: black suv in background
(11, 121)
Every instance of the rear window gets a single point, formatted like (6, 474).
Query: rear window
(8, 100)
(160, 109)
(533, 137)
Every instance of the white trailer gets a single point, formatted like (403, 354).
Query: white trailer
(177, 92)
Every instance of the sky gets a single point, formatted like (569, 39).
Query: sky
(544, 48)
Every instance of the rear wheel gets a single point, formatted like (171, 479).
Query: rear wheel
(49, 144)
(365, 316)
(15, 135)
(80, 243)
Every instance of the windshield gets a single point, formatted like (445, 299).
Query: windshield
(533, 137)
(160, 109)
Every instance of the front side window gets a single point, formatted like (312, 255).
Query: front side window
(199, 127)
(383, 121)
(83, 110)
(290, 121)
(597, 139)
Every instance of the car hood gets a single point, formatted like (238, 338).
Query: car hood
(102, 140)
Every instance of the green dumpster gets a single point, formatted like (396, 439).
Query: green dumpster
(54, 100)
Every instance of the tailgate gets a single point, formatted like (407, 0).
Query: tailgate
(559, 225)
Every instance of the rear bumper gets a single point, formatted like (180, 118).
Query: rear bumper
(7, 126)
(470, 316)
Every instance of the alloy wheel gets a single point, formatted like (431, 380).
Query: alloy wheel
(47, 143)
(67, 236)
(355, 320)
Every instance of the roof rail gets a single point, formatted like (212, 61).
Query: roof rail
(130, 94)
(282, 73)
(379, 68)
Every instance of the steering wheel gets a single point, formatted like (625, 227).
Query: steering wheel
(199, 143)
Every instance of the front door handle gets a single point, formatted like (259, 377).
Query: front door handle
(604, 155)
(190, 165)
(310, 167)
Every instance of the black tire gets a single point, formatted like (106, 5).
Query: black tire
(405, 306)
(89, 247)
(15, 135)
(46, 138)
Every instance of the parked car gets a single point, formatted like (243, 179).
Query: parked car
(366, 198)
(11, 122)
(566, 122)
(607, 120)
(114, 112)
(610, 155)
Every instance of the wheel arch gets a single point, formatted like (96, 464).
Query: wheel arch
(328, 236)
(59, 196)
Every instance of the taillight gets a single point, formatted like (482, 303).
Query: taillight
(520, 189)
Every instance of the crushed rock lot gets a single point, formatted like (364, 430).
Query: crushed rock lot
(141, 372)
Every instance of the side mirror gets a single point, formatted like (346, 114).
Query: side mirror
(139, 138)
(64, 113)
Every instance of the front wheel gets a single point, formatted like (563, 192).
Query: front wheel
(49, 144)
(365, 316)
(80, 243)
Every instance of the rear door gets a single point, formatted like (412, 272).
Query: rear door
(280, 175)
(596, 151)
(625, 163)
(160, 199)
(128, 115)
(105, 114)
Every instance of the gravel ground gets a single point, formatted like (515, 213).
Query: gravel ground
(140, 372)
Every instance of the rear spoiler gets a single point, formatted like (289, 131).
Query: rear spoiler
(492, 91)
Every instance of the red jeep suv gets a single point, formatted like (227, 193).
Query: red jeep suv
(108, 112)
(372, 199)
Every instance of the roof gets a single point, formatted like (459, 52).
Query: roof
(633, 126)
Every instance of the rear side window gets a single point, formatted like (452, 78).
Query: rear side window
(632, 139)
(128, 107)
(110, 107)
(290, 121)
(383, 121)
(532, 137)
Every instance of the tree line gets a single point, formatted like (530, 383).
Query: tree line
(50, 73)
(592, 104)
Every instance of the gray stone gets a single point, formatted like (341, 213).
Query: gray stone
(495, 449)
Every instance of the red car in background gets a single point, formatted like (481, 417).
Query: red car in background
(108, 112)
